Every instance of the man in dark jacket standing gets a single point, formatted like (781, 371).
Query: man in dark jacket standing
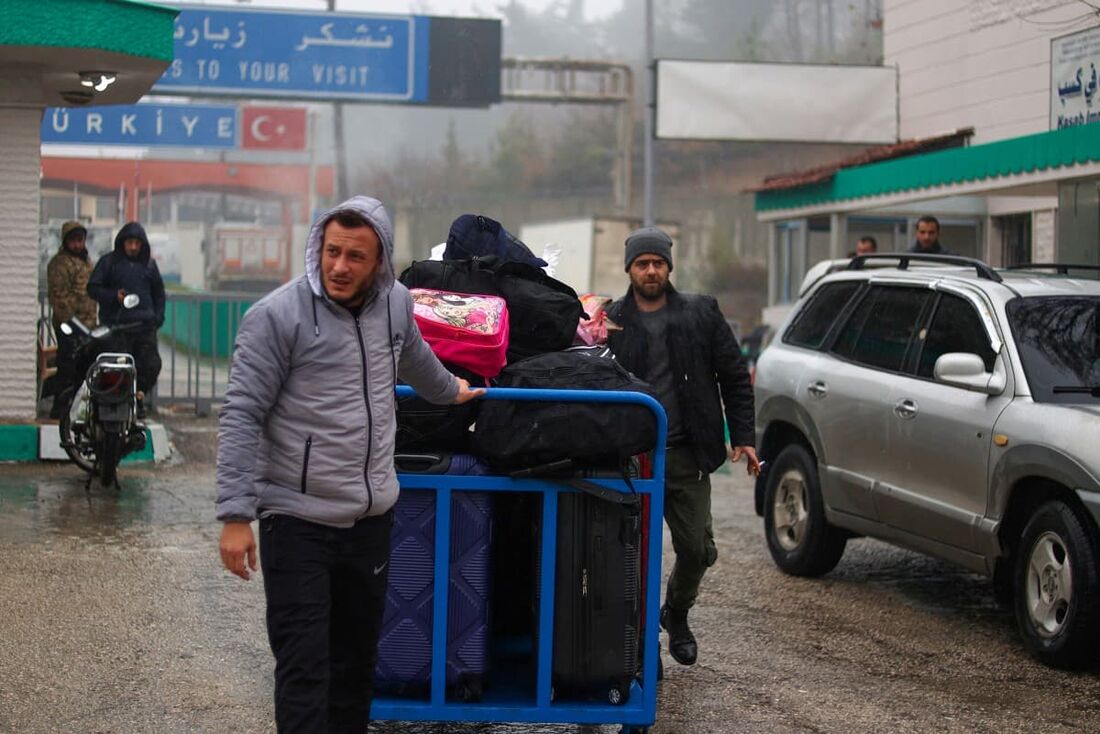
(130, 268)
(681, 344)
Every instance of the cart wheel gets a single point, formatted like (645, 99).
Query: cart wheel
(627, 729)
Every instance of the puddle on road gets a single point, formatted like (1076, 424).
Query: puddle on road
(60, 506)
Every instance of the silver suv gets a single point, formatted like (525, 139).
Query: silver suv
(953, 409)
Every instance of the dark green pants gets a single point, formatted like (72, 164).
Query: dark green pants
(687, 512)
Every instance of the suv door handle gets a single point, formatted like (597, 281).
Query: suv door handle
(818, 389)
(906, 409)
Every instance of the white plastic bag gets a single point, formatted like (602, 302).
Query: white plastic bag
(551, 253)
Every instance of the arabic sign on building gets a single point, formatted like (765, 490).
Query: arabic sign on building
(379, 58)
(1074, 75)
(190, 126)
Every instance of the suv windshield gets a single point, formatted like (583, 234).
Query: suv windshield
(1059, 342)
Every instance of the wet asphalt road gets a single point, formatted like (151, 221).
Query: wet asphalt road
(115, 617)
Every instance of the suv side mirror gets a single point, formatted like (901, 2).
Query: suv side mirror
(967, 370)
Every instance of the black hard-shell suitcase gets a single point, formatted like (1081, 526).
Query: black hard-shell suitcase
(597, 598)
(405, 643)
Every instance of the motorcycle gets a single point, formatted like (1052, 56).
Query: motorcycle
(99, 417)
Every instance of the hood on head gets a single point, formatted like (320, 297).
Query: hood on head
(371, 210)
(133, 229)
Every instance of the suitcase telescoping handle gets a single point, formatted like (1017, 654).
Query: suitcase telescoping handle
(554, 470)
(422, 463)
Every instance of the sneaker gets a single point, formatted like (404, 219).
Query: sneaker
(681, 643)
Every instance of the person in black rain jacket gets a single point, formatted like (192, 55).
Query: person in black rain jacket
(130, 268)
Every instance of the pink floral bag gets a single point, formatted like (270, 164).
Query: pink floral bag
(593, 330)
(467, 330)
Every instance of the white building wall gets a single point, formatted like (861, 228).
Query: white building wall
(976, 63)
(20, 169)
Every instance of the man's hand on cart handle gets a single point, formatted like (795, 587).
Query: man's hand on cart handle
(749, 452)
(465, 393)
(237, 546)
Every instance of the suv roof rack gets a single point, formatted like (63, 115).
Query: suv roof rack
(903, 258)
(1061, 268)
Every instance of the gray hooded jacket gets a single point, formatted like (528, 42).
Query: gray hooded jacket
(308, 424)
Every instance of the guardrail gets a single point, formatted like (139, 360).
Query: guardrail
(196, 344)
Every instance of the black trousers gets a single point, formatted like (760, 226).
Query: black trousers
(65, 362)
(326, 594)
(142, 343)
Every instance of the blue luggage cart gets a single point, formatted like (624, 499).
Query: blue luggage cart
(504, 700)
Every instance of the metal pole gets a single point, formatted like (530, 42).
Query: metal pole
(651, 110)
(339, 165)
(311, 136)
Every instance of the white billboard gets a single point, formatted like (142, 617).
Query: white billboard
(809, 103)
(1074, 94)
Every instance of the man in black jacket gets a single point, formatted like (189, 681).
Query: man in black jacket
(130, 268)
(928, 237)
(681, 344)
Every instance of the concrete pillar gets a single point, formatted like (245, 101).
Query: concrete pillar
(773, 264)
(1043, 236)
(20, 168)
(838, 236)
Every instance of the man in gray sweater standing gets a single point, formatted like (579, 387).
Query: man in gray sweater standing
(305, 445)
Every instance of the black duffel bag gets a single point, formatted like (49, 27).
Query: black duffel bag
(513, 434)
(543, 313)
(424, 426)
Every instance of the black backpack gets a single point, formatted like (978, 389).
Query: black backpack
(475, 235)
(543, 313)
(514, 434)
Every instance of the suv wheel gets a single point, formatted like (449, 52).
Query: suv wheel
(1058, 588)
(801, 542)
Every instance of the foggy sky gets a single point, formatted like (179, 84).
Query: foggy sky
(468, 8)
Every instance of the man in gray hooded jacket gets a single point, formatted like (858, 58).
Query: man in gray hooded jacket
(306, 443)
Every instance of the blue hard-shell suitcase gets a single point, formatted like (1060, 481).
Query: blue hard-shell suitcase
(405, 644)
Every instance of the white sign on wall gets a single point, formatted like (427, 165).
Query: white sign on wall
(1075, 79)
(813, 103)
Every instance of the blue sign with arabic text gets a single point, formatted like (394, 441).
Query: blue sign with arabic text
(205, 126)
(299, 55)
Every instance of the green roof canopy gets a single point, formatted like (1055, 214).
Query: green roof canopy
(1027, 154)
(122, 26)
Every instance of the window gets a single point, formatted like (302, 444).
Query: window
(879, 332)
(812, 324)
(1059, 342)
(955, 327)
(1015, 239)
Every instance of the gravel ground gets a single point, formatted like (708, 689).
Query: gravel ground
(118, 618)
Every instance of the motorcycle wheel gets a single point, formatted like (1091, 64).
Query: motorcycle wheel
(71, 442)
(110, 456)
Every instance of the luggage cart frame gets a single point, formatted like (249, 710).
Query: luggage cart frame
(639, 711)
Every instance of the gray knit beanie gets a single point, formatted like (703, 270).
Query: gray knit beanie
(648, 240)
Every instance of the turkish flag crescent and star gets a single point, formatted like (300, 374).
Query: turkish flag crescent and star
(273, 128)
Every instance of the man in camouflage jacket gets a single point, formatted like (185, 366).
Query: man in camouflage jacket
(67, 278)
